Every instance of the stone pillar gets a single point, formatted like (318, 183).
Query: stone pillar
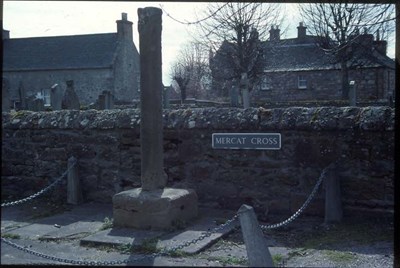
(152, 206)
(151, 122)
(333, 198)
(256, 246)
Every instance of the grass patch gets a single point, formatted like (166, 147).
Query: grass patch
(229, 260)
(359, 233)
(339, 256)
(277, 259)
(107, 224)
(10, 236)
(148, 246)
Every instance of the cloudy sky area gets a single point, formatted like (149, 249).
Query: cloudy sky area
(53, 18)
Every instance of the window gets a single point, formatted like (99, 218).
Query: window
(266, 83)
(302, 82)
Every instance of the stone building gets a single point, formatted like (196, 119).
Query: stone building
(297, 69)
(94, 62)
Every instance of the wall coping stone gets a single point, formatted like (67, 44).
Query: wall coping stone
(371, 118)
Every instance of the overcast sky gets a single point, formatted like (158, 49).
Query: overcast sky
(53, 18)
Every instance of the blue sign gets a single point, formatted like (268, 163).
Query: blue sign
(255, 141)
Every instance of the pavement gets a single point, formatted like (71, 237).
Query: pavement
(81, 233)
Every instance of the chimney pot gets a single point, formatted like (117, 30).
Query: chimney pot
(124, 16)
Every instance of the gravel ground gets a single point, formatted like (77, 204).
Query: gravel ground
(305, 242)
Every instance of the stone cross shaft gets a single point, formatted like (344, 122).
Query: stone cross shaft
(151, 122)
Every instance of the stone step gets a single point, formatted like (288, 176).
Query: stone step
(118, 237)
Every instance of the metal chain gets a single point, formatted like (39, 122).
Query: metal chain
(303, 207)
(130, 260)
(164, 251)
(21, 201)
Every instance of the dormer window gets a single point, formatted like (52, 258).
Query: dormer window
(302, 82)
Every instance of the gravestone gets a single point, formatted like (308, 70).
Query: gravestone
(34, 104)
(352, 94)
(101, 102)
(244, 85)
(152, 206)
(105, 101)
(234, 95)
(166, 92)
(22, 96)
(5, 96)
(56, 97)
(70, 100)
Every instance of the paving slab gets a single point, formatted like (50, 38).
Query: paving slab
(120, 237)
(73, 231)
(203, 225)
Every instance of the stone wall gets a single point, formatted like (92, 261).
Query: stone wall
(88, 84)
(36, 146)
(371, 84)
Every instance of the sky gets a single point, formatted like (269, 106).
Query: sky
(55, 18)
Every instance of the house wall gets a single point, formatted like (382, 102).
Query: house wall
(36, 146)
(88, 84)
(371, 84)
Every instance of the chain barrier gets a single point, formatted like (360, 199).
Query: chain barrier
(164, 251)
(303, 207)
(45, 190)
(126, 261)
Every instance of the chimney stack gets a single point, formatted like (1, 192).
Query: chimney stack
(301, 31)
(274, 34)
(380, 45)
(124, 28)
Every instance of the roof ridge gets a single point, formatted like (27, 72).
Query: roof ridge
(58, 36)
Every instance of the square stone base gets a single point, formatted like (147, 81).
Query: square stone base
(157, 209)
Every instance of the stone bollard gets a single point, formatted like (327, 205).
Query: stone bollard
(74, 191)
(333, 200)
(256, 246)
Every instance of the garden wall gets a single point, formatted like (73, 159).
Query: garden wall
(37, 145)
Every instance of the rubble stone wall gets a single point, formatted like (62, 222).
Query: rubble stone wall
(37, 145)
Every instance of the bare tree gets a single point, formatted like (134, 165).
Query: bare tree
(237, 28)
(338, 25)
(191, 69)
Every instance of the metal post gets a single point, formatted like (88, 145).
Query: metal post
(74, 191)
(256, 246)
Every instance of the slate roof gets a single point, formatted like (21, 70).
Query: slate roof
(59, 52)
(293, 55)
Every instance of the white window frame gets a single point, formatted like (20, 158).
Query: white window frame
(265, 83)
(301, 82)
